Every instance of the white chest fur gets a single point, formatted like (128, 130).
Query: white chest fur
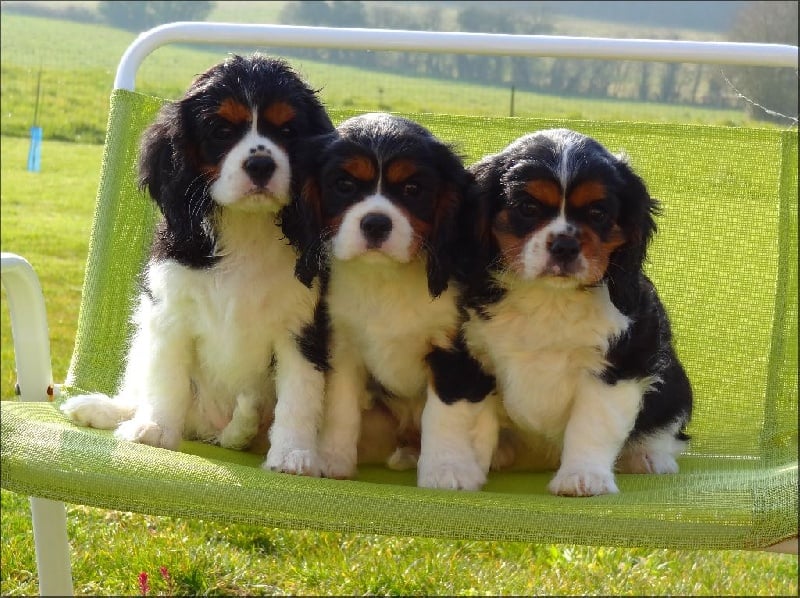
(235, 312)
(539, 341)
(387, 315)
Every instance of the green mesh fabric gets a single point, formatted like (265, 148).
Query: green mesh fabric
(724, 261)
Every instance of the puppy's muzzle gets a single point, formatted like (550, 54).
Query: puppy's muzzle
(376, 228)
(259, 168)
(563, 249)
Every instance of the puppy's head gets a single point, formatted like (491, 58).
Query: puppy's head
(564, 210)
(383, 188)
(229, 141)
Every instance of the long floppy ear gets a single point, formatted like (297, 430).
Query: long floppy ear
(478, 248)
(175, 186)
(156, 154)
(444, 237)
(301, 219)
(636, 218)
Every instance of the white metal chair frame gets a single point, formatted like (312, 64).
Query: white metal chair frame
(25, 299)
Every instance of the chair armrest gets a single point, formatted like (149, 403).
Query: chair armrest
(28, 327)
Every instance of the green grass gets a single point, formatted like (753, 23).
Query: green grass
(46, 217)
(78, 63)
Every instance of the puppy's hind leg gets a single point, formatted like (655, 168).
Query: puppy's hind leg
(244, 423)
(655, 452)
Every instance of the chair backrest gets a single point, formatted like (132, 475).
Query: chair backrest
(724, 259)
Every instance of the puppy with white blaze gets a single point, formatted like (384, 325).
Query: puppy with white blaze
(563, 316)
(380, 201)
(226, 337)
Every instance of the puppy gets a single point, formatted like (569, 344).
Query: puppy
(224, 332)
(563, 316)
(382, 197)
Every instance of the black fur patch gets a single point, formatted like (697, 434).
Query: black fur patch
(457, 375)
(314, 340)
(645, 350)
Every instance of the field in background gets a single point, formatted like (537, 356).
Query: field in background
(78, 62)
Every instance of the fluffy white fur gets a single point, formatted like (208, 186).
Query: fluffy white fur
(384, 321)
(543, 342)
(199, 362)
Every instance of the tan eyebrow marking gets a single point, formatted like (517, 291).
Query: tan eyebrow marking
(234, 112)
(587, 193)
(547, 192)
(279, 113)
(360, 167)
(399, 170)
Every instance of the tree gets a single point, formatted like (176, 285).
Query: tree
(773, 88)
(139, 16)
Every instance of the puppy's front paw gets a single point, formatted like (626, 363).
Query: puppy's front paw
(570, 482)
(296, 461)
(453, 474)
(150, 433)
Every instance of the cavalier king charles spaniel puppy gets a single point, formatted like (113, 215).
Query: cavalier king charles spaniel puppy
(226, 337)
(381, 200)
(563, 316)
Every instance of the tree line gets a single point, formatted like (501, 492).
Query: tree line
(683, 83)
(768, 93)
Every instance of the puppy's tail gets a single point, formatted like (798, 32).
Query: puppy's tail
(98, 410)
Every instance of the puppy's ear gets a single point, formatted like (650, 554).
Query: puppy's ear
(444, 236)
(157, 166)
(636, 218)
(301, 219)
(173, 183)
(478, 249)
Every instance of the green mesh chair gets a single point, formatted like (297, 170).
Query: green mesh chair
(724, 260)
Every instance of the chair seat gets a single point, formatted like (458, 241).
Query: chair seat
(731, 503)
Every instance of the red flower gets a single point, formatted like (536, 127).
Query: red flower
(144, 586)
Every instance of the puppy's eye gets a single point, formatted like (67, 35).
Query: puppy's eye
(222, 132)
(529, 209)
(598, 215)
(411, 190)
(344, 186)
(287, 131)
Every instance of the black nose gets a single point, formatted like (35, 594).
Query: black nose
(260, 168)
(376, 228)
(564, 248)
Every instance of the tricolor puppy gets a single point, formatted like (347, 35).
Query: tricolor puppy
(383, 196)
(223, 328)
(563, 316)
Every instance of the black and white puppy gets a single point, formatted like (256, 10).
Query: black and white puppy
(223, 328)
(563, 316)
(383, 196)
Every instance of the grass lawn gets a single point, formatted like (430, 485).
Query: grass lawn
(46, 217)
(78, 62)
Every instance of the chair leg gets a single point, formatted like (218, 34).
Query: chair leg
(52, 547)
